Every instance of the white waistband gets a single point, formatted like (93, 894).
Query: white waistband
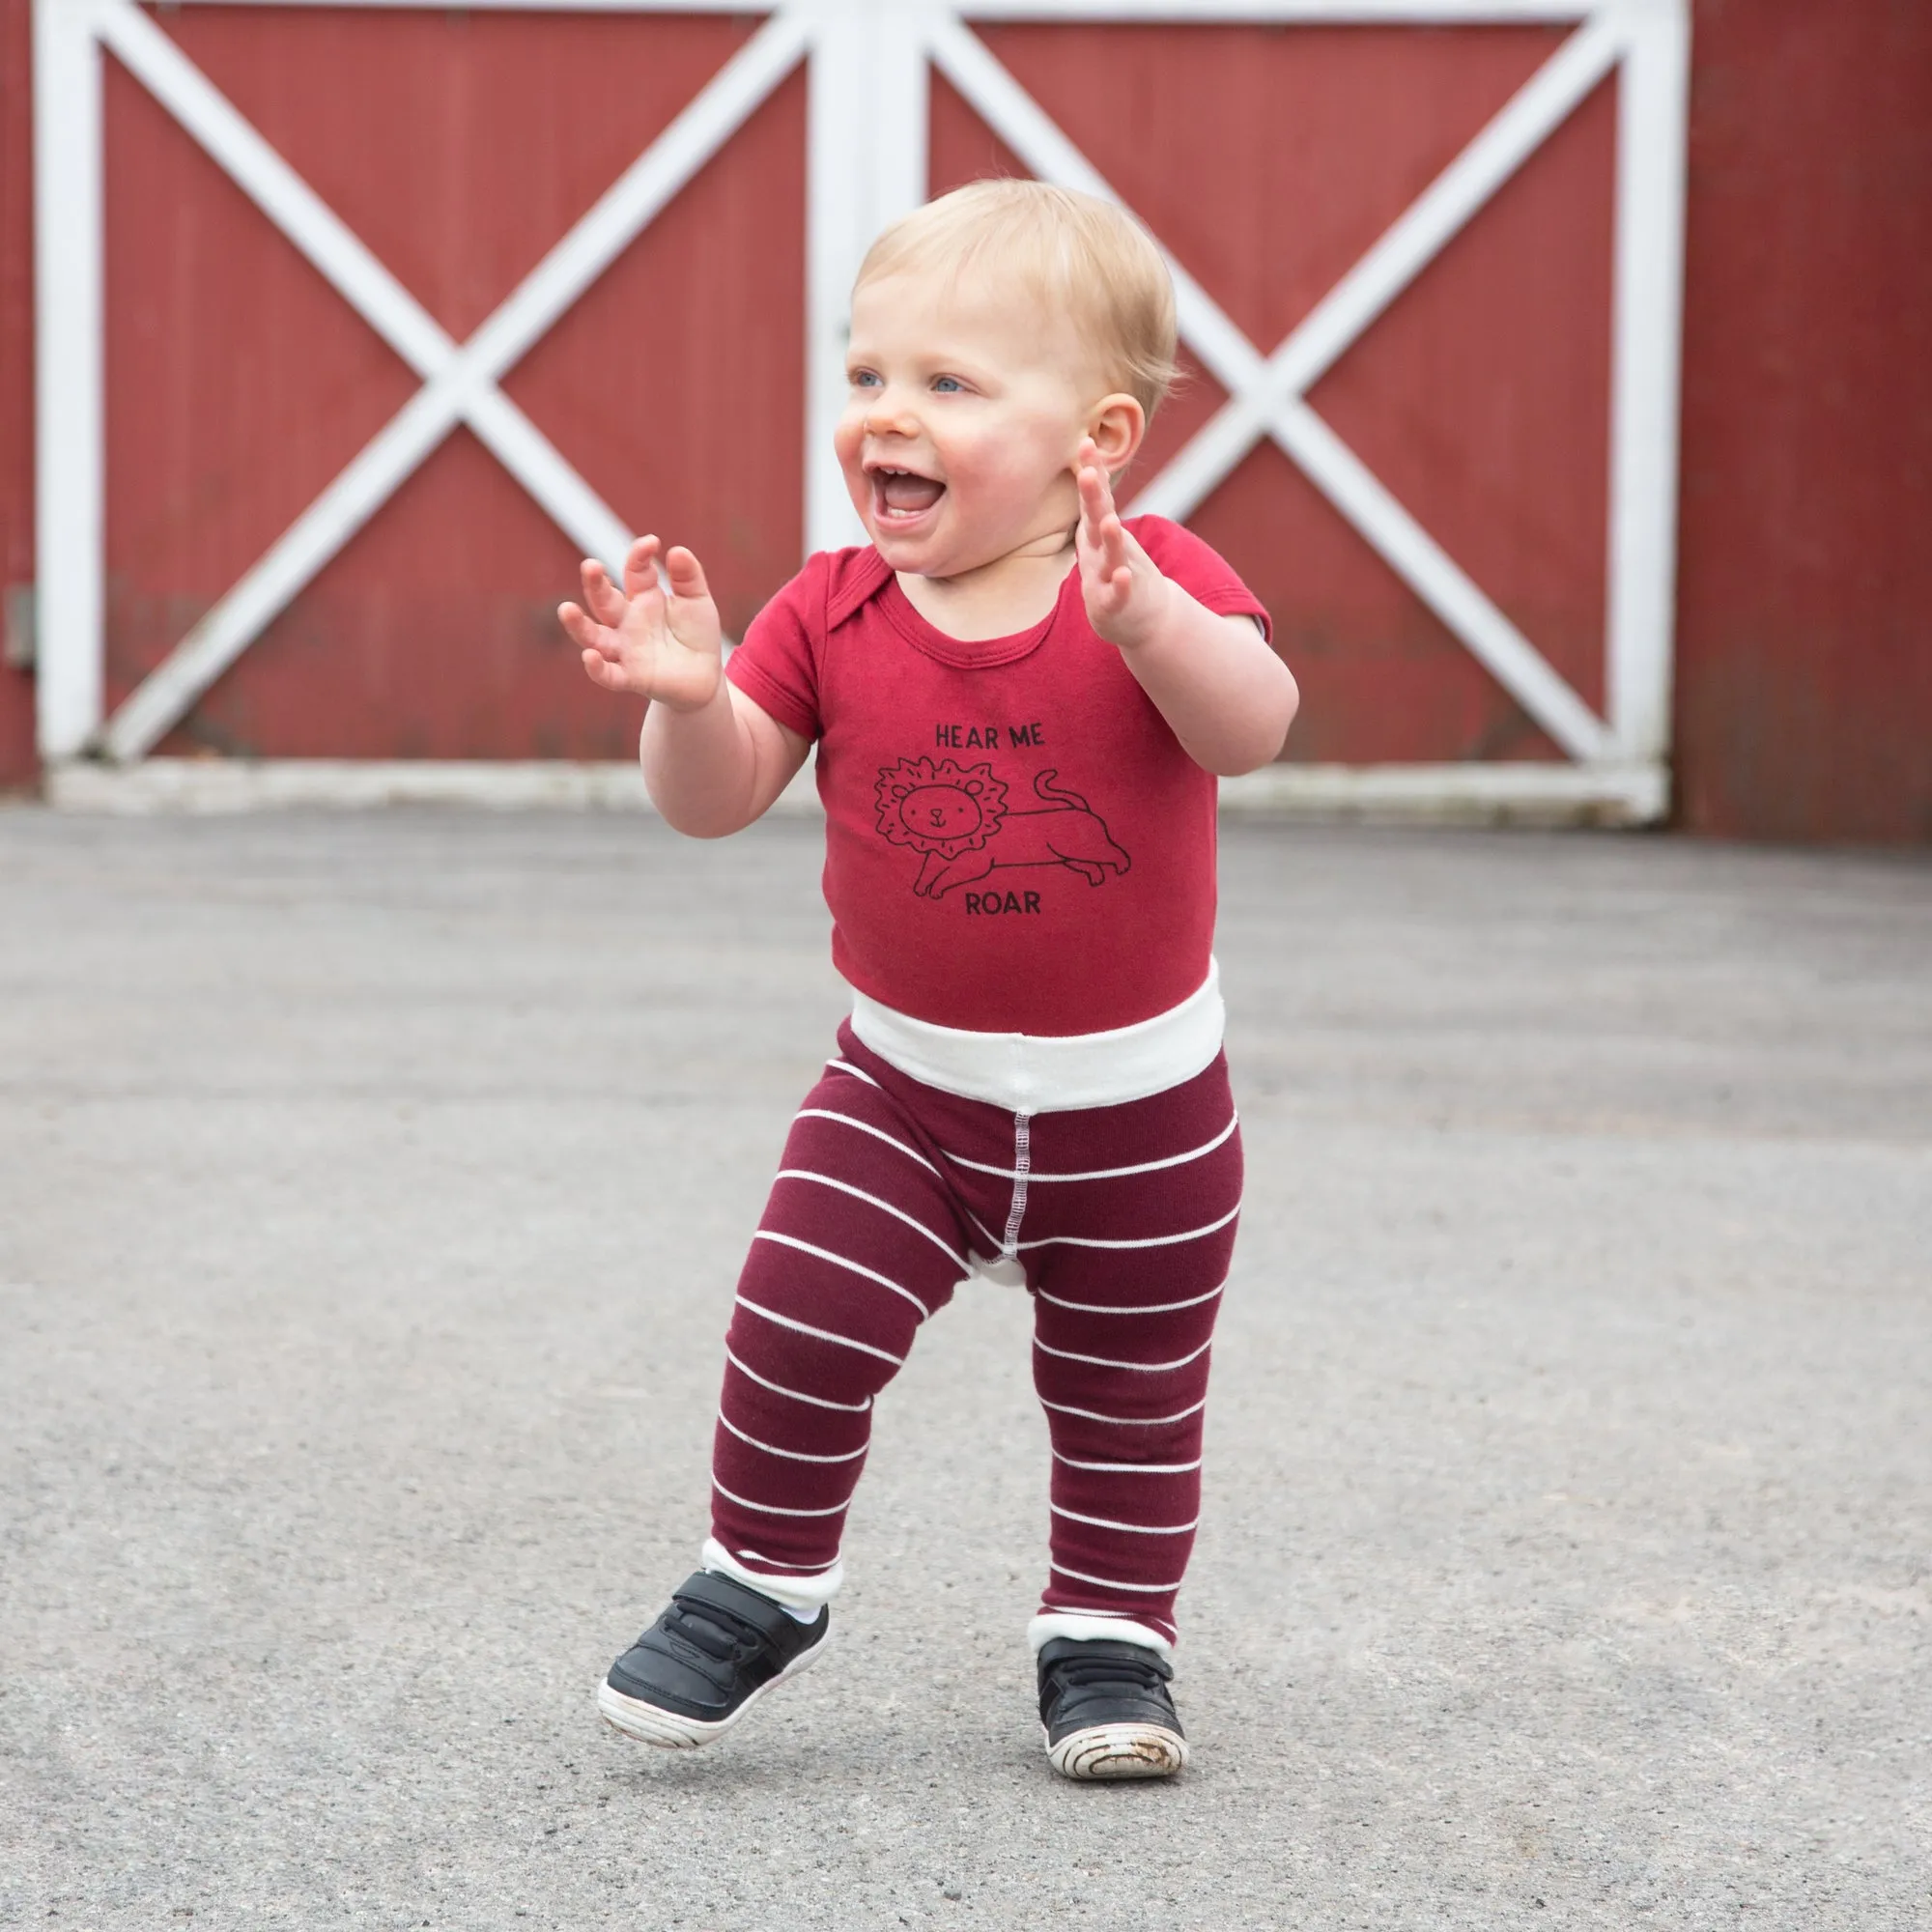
(1045, 1073)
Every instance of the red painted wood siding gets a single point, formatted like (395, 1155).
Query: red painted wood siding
(1805, 604)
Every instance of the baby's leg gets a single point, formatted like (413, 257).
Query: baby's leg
(1126, 1293)
(860, 1242)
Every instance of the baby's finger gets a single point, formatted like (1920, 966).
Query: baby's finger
(686, 573)
(1109, 583)
(578, 627)
(601, 671)
(641, 567)
(1094, 504)
(600, 595)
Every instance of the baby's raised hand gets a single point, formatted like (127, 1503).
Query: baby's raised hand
(666, 647)
(1125, 590)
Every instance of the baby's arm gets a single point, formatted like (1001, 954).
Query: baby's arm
(713, 759)
(1223, 691)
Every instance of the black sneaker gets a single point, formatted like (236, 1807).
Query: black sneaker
(1106, 1711)
(700, 1667)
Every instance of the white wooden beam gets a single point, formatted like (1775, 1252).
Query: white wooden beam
(1645, 339)
(1272, 12)
(900, 116)
(1175, 13)
(69, 557)
(738, 7)
(1513, 793)
(835, 207)
(1482, 795)
(866, 167)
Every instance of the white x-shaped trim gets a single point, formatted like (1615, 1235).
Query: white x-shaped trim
(460, 381)
(1265, 395)
(867, 162)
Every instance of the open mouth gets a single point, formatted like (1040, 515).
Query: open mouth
(899, 496)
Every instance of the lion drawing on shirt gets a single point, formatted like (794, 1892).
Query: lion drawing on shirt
(957, 818)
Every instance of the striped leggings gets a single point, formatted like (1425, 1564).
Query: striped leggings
(1123, 1220)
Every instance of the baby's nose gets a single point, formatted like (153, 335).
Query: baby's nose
(889, 422)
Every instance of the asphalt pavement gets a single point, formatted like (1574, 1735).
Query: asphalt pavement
(371, 1193)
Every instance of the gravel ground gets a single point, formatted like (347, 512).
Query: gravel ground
(371, 1192)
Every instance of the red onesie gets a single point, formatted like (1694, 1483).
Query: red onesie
(1015, 842)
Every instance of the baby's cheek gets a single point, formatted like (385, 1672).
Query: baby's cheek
(1009, 480)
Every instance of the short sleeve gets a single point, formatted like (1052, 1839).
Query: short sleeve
(1199, 569)
(777, 665)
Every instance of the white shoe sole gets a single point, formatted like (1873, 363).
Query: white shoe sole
(672, 1731)
(1107, 1752)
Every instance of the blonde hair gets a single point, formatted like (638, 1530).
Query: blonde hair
(1073, 252)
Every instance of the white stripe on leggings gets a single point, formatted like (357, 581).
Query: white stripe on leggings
(1108, 1583)
(840, 1261)
(1101, 1361)
(1132, 1528)
(790, 1454)
(772, 1509)
(1151, 1240)
(797, 1395)
(1101, 1173)
(867, 1127)
(822, 1334)
(1130, 1469)
(1124, 1421)
(860, 1194)
(1149, 1308)
(992, 1239)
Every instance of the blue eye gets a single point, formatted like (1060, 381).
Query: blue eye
(947, 384)
(864, 378)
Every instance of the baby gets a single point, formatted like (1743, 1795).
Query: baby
(1020, 705)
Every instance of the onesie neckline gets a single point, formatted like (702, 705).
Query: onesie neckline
(980, 653)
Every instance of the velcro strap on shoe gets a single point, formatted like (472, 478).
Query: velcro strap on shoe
(709, 1591)
(1097, 1649)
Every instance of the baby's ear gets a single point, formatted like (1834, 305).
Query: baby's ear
(1117, 424)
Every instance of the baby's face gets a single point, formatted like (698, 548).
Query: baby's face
(964, 412)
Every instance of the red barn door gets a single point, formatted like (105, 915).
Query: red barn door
(360, 323)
